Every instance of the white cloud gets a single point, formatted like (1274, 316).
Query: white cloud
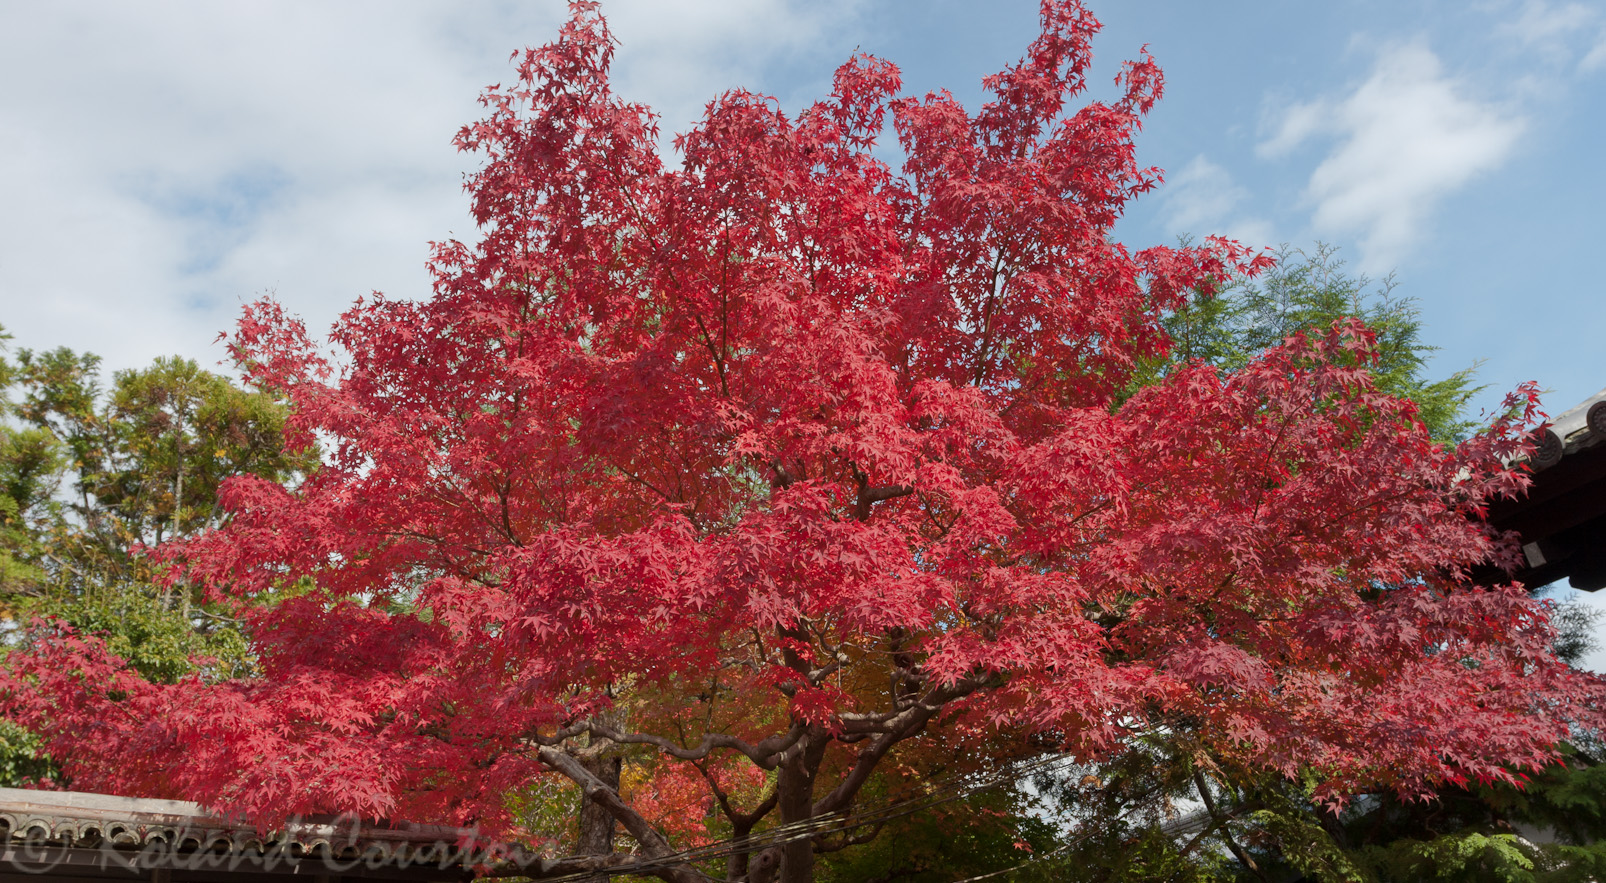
(1559, 32)
(1595, 58)
(161, 162)
(687, 53)
(1405, 139)
(1542, 23)
(1202, 199)
(1201, 193)
(1299, 123)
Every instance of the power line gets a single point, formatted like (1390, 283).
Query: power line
(954, 789)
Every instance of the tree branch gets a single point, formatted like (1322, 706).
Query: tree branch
(652, 843)
(766, 753)
(900, 726)
(1221, 821)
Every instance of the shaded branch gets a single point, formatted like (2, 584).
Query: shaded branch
(652, 843)
(1221, 822)
(767, 753)
(898, 727)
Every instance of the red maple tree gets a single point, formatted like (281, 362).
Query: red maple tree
(762, 469)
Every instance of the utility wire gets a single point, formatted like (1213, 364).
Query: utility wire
(956, 788)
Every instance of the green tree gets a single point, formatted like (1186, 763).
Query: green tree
(1309, 290)
(92, 476)
(143, 459)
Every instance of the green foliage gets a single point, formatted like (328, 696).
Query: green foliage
(1551, 829)
(1122, 855)
(1463, 856)
(1575, 864)
(91, 474)
(988, 830)
(178, 432)
(20, 761)
(146, 456)
(1575, 623)
(30, 464)
(1569, 799)
(160, 641)
(1310, 291)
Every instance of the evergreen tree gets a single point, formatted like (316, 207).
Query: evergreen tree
(92, 476)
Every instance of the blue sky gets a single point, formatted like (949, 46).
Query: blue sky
(160, 163)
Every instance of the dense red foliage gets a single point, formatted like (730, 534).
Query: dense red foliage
(780, 458)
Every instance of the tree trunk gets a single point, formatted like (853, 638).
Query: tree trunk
(597, 825)
(792, 861)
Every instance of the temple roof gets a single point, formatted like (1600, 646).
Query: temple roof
(1562, 520)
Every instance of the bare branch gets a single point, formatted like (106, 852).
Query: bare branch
(886, 492)
(767, 753)
(898, 727)
(652, 843)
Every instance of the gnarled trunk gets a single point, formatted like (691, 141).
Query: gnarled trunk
(792, 860)
(597, 825)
